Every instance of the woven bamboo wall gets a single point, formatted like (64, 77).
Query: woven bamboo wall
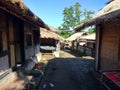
(109, 46)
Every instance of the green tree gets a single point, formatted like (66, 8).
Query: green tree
(68, 18)
(92, 30)
(78, 13)
(65, 34)
(71, 17)
(87, 14)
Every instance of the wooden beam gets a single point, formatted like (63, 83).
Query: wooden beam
(97, 56)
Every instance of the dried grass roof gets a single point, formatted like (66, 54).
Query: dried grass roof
(53, 29)
(88, 37)
(110, 12)
(18, 9)
(74, 36)
(48, 34)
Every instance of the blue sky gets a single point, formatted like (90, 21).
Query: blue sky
(50, 11)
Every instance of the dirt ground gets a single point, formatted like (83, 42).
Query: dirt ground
(68, 73)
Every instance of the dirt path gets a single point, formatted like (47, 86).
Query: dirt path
(69, 74)
(47, 57)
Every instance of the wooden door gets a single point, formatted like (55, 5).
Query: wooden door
(19, 42)
(11, 43)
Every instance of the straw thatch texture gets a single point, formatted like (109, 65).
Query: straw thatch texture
(18, 9)
(110, 12)
(53, 29)
(88, 37)
(74, 36)
(48, 34)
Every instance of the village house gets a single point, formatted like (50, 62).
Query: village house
(50, 42)
(107, 22)
(107, 36)
(86, 44)
(19, 36)
(71, 41)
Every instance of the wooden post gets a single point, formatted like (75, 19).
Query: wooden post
(97, 47)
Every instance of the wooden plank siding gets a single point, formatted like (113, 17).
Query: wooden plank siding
(14, 48)
(4, 59)
(19, 37)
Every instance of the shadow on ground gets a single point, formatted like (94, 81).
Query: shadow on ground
(69, 74)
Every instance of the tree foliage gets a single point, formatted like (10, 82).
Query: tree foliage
(66, 34)
(78, 13)
(91, 30)
(73, 16)
(87, 15)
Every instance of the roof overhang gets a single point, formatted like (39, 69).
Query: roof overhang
(17, 8)
(111, 12)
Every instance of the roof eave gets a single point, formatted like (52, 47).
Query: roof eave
(21, 12)
(112, 16)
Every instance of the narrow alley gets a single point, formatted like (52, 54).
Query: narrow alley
(71, 73)
(71, 45)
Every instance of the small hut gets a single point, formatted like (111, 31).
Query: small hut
(71, 41)
(107, 23)
(50, 42)
(86, 44)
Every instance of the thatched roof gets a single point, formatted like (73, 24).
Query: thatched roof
(53, 29)
(74, 36)
(88, 37)
(18, 9)
(48, 34)
(110, 12)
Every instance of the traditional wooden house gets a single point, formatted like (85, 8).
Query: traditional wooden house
(19, 35)
(50, 42)
(71, 41)
(107, 23)
(86, 44)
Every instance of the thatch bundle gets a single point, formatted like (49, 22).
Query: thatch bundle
(53, 29)
(18, 8)
(75, 36)
(88, 37)
(109, 13)
(49, 34)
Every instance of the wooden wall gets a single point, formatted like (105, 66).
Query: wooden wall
(13, 44)
(33, 49)
(36, 40)
(4, 60)
(11, 41)
(29, 50)
(4, 64)
(110, 46)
